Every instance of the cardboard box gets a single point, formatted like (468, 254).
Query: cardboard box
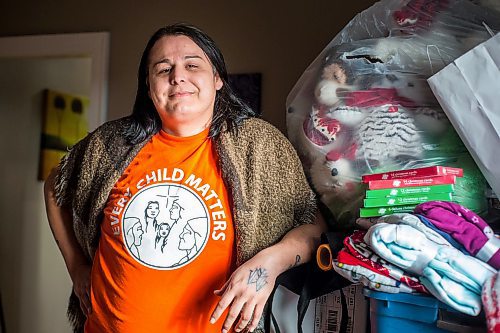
(409, 182)
(328, 311)
(431, 171)
(407, 200)
(418, 190)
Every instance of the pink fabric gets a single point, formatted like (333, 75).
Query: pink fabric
(491, 303)
(465, 226)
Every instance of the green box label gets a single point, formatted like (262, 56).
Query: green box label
(379, 211)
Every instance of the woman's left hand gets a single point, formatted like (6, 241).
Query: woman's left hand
(246, 292)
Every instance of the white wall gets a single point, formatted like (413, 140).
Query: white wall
(33, 279)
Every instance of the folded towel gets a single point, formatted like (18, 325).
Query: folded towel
(466, 227)
(447, 273)
(451, 292)
(402, 245)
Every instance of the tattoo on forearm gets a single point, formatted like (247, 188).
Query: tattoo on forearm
(258, 277)
(297, 261)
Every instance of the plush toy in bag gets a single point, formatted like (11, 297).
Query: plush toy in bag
(364, 106)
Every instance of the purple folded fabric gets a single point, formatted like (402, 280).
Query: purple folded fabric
(465, 227)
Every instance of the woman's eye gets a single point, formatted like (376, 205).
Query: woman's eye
(192, 66)
(164, 70)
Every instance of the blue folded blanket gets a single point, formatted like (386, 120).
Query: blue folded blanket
(451, 276)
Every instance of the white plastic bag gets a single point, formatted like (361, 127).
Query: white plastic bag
(364, 105)
(468, 91)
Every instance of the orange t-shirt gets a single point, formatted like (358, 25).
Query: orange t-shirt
(166, 241)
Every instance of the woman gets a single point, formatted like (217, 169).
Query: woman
(151, 213)
(260, 210)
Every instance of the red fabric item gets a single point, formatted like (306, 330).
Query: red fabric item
(378, 97)
(320, 128)
(354, 243)
(314, 134)
(419, 15)
(333, 125)
(349, 153)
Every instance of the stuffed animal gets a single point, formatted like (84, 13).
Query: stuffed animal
(366, 118)
(388, 136)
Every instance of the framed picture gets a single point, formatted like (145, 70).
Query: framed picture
(64, 124)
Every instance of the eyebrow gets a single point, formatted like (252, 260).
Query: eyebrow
(167, 61)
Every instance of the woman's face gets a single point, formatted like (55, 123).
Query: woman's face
(152, 210)
(182, 82)
(164, 230)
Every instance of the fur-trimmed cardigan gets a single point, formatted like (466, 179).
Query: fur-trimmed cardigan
(263, 175)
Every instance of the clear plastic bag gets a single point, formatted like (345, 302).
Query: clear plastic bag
(364, 105)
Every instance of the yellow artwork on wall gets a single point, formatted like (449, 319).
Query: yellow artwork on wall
(64, 124)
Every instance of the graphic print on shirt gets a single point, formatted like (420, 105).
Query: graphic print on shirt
(165, 226)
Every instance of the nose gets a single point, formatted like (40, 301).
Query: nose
(177, 75)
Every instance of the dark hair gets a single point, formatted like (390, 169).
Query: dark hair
(229, 110)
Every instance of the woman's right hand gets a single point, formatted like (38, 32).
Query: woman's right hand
(81, 286)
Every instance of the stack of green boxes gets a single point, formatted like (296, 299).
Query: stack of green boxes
(400, 191)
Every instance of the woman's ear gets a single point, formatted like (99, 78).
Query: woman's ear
(218, 82)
